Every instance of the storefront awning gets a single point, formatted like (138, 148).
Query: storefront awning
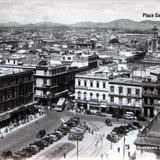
(126, 107)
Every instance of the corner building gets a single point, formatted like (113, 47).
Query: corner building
(16, 93)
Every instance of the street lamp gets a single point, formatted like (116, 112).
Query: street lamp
(77, 147)
(124, 139)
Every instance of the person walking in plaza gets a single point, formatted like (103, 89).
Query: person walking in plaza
(118, 149)
(129, 154)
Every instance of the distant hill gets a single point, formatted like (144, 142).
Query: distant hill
(117, 24)
(120, 24)
(10, 24)
(44, 25)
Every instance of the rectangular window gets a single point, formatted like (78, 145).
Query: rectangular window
(120, 100)
(44, 81)
(128, 100)
(128, 90)
(91, 84)
(112, 99)
(104, 85)
(97, 84)
(120, 90)
(112, 88)
(137, 91)
(79, 82)
(45, 72)
(85, 83)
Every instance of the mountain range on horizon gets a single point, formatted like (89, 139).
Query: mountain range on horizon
(119, 24)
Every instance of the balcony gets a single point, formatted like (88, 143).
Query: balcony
(151, 83)
(148, 105)
(46, 86)
(125, 95)
(81, 87)
(152, 94)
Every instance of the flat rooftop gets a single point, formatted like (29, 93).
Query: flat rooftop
(125, 81)
(7, 71)
(154, 69)
(150, 135)
(102, 73)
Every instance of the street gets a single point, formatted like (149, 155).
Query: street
(94, 144)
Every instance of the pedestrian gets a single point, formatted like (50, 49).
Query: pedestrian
(92, 131)
(129, 154)
(101, 156)
(64, 155)
(118, 149)
(36, 121)
(128, 146)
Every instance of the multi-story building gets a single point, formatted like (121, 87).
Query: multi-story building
(91, 90)
(50, 82)
(16, 93)
(53, 82)
(151, 96)
(125, 94)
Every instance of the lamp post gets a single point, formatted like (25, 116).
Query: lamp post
(124, 139)
(77, 147)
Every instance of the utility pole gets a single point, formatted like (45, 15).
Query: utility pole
(77, 146)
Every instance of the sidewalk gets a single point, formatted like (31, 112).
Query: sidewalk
(9, 129)
(113, 154)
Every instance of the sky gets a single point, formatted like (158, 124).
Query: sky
(72, 11)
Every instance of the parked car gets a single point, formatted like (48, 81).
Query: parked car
(48, 139)
(58, 133)
(108, 122)
(142, 118)
(25, 153)
(137, 124)
(6, 154)
(75, 137)
(113, 137)
(82, 127)
(129, 117)
(63, 131)
(41, 133)
(39, 144)
(32, 149)
(45, 143)
(37, 149)
(88, 112)
(77, 131)
(132, 127)
(65, 126)
(53, 137)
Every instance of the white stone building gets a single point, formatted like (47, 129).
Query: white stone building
(91, 90)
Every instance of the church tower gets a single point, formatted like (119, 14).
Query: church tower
(154, 39)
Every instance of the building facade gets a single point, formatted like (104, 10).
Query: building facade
(91, 90)
(125, 94)
(151, 97)
(16, 93)
(50, 82)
